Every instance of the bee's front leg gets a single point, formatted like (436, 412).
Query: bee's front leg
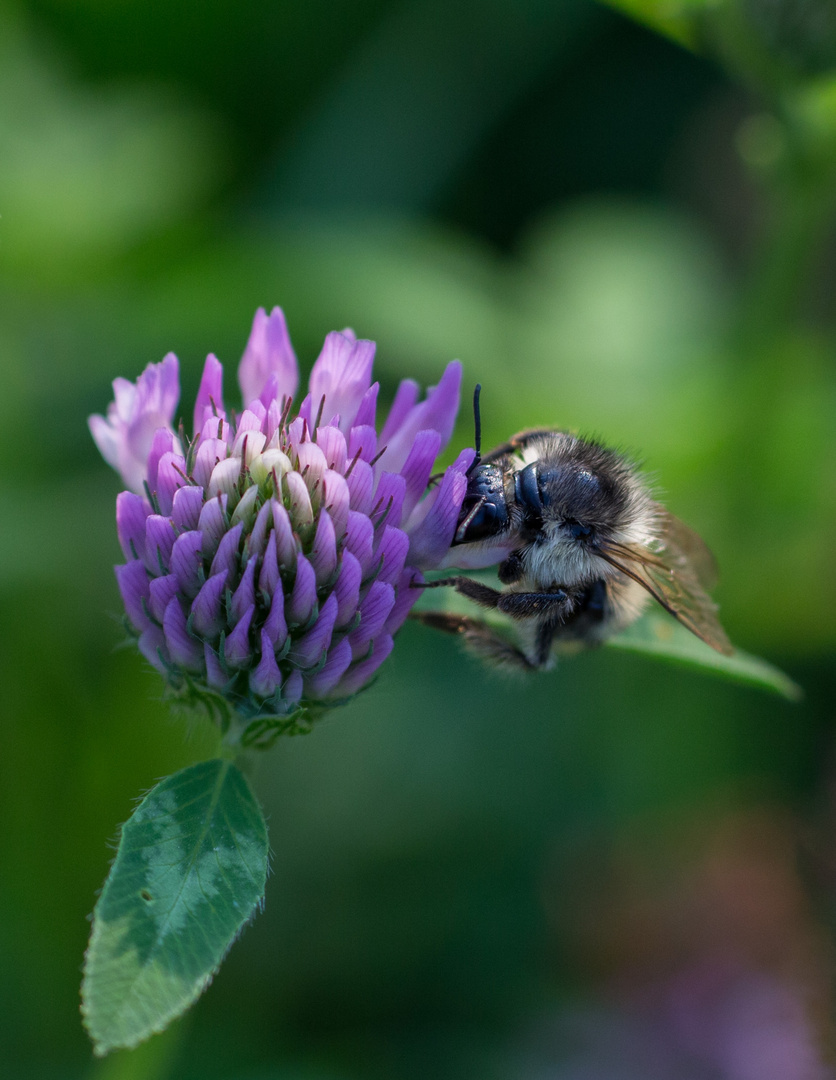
(553, 606)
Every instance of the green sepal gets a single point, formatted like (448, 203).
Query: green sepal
(189, 873)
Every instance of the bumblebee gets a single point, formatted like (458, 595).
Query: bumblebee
(582, 548)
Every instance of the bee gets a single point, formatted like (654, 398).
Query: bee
(582, 549)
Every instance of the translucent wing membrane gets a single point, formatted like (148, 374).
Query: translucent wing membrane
(676, 578)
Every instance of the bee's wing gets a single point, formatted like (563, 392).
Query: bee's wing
(692, 547)
(675, 577)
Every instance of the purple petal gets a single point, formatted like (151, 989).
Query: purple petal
(237, 650)
(187, 562)
(285, 540)
(209, 453)
(162, 591)
(298, 431)
(137, 411)
(244, 596)
(171, 476)
(164, 442)
(269, 396)
(430, 540)
(374, 611)
(347, 589)
(248, 444)
(359, 540)
(361, 486)
(132, 512)
(249, 423)
(292, 689)
(302, 601)
(391, 552)
(186, 507)
(208, 613)
(368, 406)
(268, 352)
(341, 375)
(300, 509)
(265, 678)
(225, 477)
(257, 540)
(226, 557)
(321, 684)
(245, 513)
(362, 441)
(358, 675)
(388, 499)
(184, 650)
(323, 556)
(132, 580)
(216, 427)
(268, 577)
(159, 540)
(312, 465)
(308, 649)
(274, 415)
(275, 625)
(437, 412)
(406, 397)
(210, 399)
(213, 524)
(216, 677)
(405, 599)
(331, 442)
(336, 499)
(253, 417)
(153, 647)
(418, 467)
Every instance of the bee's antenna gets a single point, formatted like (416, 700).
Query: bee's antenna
(477, 423)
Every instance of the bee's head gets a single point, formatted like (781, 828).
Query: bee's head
(484, 524)
(484, 511)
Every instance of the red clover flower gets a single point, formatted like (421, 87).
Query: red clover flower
(269, 558)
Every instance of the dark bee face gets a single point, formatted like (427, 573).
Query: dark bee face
(484, 512)
(577, 486)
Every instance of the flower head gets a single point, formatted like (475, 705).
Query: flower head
(269, 559)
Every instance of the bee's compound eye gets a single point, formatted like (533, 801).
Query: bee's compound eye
(487, 521)
(527, 489)
(577, 530)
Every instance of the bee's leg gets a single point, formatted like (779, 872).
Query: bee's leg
(543, 645)
(555, 606)
(552, 607)
(479, 638)
(510, 569)
(473, 590)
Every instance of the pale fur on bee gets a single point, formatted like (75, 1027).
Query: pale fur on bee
(582, 547)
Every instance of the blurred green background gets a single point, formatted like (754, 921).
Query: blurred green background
(615, 871)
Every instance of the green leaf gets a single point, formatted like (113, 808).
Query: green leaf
(654, 634)
(189, 872)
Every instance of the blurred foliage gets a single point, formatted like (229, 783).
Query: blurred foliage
(615, 234)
